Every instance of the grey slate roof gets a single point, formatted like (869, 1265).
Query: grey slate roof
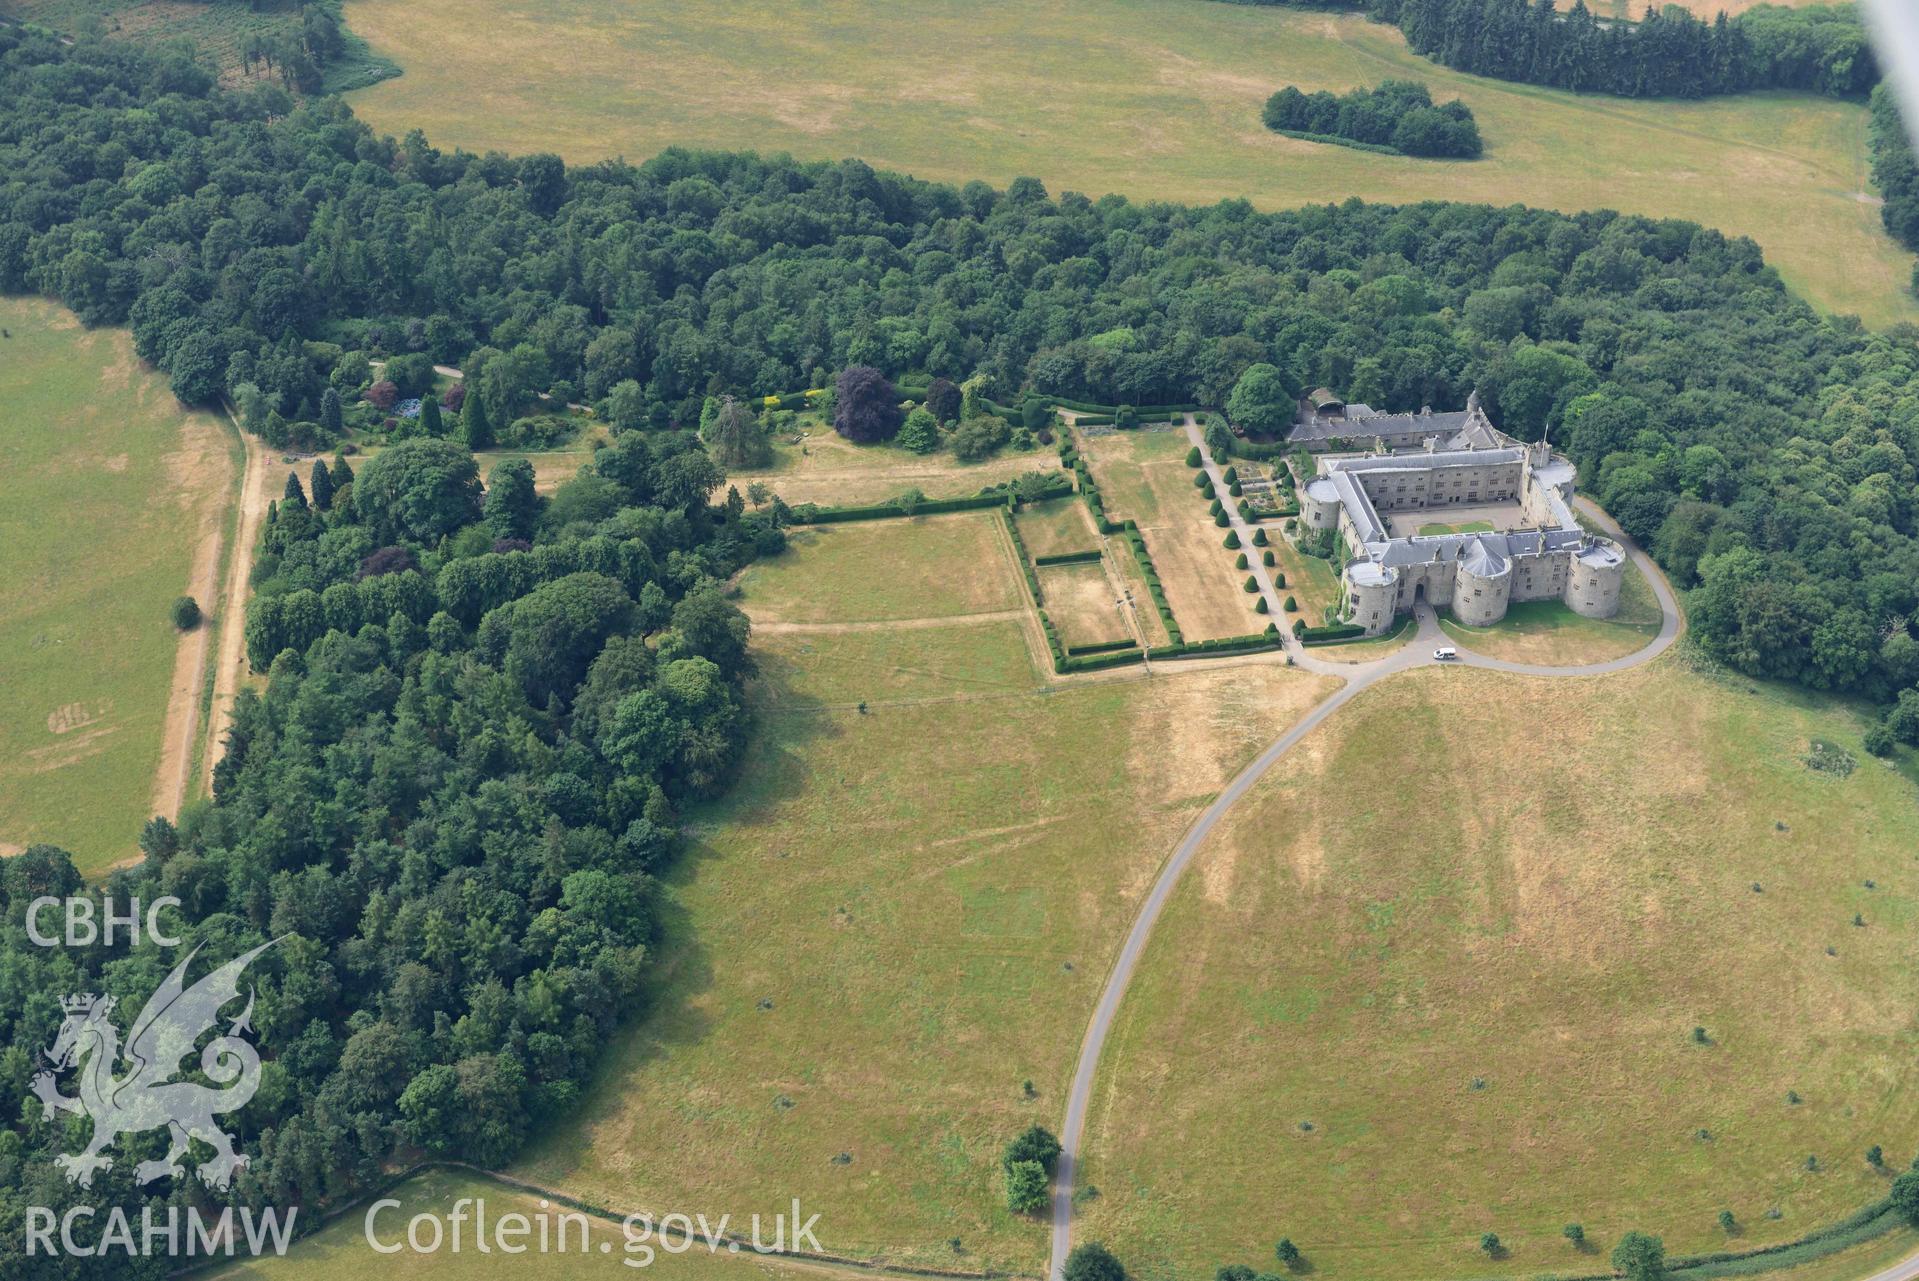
(1395, 429)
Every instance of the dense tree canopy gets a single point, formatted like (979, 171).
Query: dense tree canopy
(448, 805)
(1667, 53)
(1398, 115)
(1764, 453)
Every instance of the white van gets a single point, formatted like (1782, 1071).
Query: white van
(1445, 654)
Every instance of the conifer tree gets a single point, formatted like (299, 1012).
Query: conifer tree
(475, 425)
(321, 485)
(330, 417)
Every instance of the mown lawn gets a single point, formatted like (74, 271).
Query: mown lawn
(1156, 99)
(899, 916)
(1438, 976)
(107, 490)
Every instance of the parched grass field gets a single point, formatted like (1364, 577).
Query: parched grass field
(1394, 1007)
(901, 915)
(884, 570)
(1056, 527)
(1546, 631)
(1143, 476)
(109, 491)
(828, 469)
(1157, 99)
(1082, 603)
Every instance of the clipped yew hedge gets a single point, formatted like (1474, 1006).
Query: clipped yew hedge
(1209, 648)
(1328, 635)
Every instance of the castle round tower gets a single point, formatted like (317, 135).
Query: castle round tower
(1372, 595)
(1319, 504)
(1482, 586)
(1598, 572)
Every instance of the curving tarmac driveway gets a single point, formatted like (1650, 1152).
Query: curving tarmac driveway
(1357, 677)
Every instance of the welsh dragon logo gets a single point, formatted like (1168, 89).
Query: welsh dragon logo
(147, 1096)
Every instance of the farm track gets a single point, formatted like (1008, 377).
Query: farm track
(179, 730)
(229, 664)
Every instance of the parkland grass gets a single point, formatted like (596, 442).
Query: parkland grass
(1155, 99)
(901, 915)
(1438, 976)
(875, 571)
(108, 492)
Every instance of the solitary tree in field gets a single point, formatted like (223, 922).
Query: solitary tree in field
(1574, 1233)
(1092, 1262)
(1727, 1223)
(185, 613)
(1640, 1257)
(1876, 1157)
(1035, 1144)
(1489, 1242)
(1287, 1252)
(1026, 1184)
(866, 405)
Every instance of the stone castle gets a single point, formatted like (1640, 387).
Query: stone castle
(1449, 508)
